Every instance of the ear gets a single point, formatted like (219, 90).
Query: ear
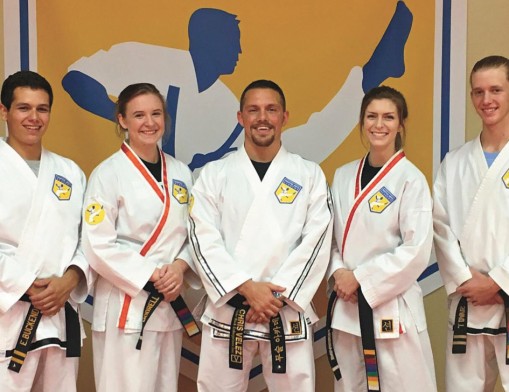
(286, 116)
(121, 121)
(239, 118)
(3, 112)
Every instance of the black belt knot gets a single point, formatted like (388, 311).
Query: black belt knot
(459, 338)
(27, 334)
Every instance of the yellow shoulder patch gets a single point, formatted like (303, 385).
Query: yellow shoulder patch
(94, 214)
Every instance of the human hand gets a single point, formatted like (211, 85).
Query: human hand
(480, 290)
(49, 295)
(345, 285)
(169, 280)
(260, 297)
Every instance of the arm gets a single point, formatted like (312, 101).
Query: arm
(389, 274)
(304, 268)
(339, 277)
(110, 257)
(219, 272)
(16, 277)
(453, 268)
(199, 160)
(89, 94)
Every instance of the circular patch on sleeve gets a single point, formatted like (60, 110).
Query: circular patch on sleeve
(94, 214)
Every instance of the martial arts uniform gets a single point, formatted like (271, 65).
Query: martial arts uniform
(273, 230)
(383, 233)
(133, 224)
(39, 236)
(470, 222)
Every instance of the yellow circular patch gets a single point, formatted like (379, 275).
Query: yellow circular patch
(94, 214)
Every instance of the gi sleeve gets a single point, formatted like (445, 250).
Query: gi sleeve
(453, 268)
(219, 272)
(119, 263)
(390, 274)
(305, 266)
(336, 258)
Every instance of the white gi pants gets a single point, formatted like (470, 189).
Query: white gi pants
(45, 370)
(214, 373)
(404, 364)
(118, 366)
(478, 368)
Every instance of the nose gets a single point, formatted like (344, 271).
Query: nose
(262, 114)
(149, 121)
(33, 115)
(486, 98)
(379, 122)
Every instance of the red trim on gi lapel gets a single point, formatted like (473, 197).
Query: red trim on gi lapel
(165, 198)
(360, 197)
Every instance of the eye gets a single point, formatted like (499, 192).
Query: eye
(138, 115)
(370, 116)
(43, 110)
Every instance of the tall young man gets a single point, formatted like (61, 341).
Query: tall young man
(471, 195)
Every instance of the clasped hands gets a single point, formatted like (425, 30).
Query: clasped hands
(169, 279)
(262, 300)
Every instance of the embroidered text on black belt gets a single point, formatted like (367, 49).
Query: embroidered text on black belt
(179, 306)
(32, 319)
(277, 337)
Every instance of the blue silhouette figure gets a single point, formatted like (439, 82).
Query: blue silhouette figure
(214, 48)
(194, 92)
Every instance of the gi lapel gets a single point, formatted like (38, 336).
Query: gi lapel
(360, 196)
(165, 199)
(484, 195)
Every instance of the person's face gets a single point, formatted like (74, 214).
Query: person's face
(262, 117)
(144, 120)
(381, 124)
(490, 95)
(28, 118)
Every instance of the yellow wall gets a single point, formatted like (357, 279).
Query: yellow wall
(487, 34)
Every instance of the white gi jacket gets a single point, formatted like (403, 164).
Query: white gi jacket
(124, 214)
(384, 235)
(470, 219)
(277, 230)
(39, 238)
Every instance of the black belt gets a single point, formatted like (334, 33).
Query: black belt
(32, 319)
(367, 337)
(277, 337)
(329, 344)
(179, 306)
(459, 339)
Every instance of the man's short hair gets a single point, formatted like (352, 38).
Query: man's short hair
(262, 83)
(491, 62)
(28, 79)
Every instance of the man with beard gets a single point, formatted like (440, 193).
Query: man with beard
(260, 226)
